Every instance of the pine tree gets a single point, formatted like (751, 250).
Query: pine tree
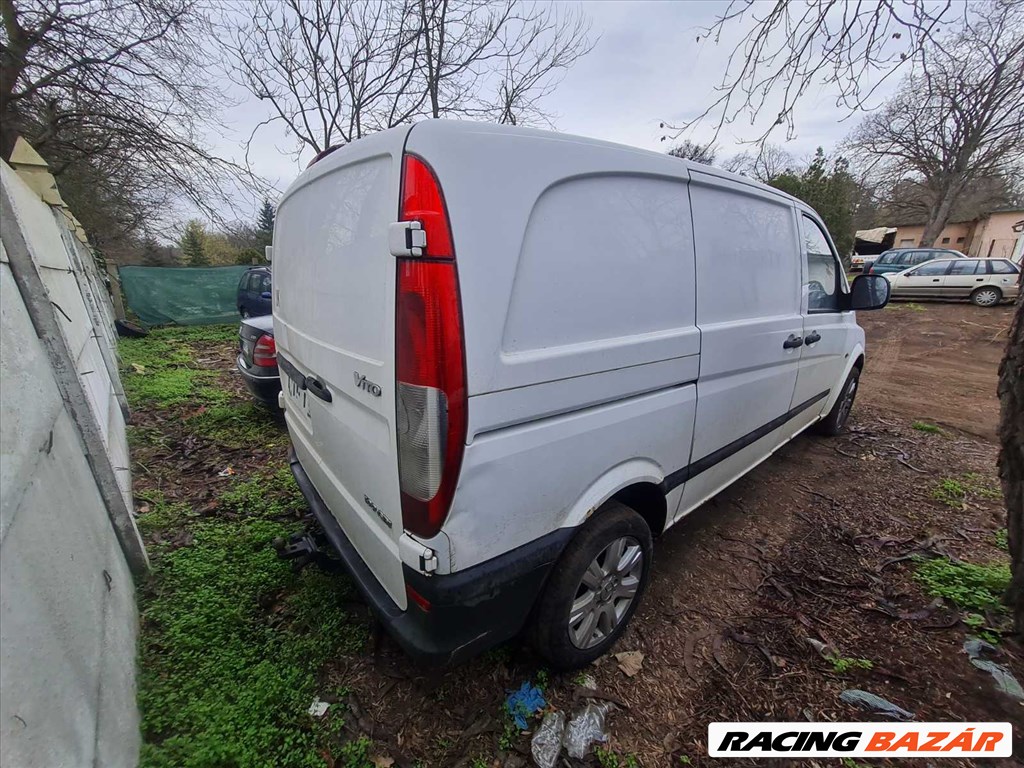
(265, 224)
(192, 245)
(151, 255)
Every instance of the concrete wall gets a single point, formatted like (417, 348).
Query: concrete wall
(68, 544)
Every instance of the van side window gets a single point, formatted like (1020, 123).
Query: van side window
(823, 275)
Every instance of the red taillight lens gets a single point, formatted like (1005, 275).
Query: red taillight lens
(429, 368)
(264, 354)
(422, 202)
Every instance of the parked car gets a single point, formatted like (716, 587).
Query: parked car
(499, 393)
(257, 359)
(986, 282)
(254, 292)
(899, 259)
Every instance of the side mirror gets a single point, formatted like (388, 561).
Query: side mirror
(265, 295)
(269, 253)
(869, 292)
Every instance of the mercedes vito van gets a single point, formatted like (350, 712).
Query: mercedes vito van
(510, 358)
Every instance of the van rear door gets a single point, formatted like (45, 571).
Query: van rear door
(334, 319)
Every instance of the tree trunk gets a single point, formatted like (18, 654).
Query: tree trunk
(938, 215)
(1011, 458)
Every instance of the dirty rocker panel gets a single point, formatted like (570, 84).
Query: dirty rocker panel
(680, 476)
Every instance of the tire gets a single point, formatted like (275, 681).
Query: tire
(567, 644)
(835, 421)
(986, 296)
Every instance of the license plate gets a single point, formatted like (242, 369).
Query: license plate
(296, 394)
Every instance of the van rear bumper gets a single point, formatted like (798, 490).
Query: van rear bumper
(470, 611)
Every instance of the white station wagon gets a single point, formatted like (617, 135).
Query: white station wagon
(511, 358)
(986, 282)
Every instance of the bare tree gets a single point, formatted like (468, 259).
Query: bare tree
(331, 71)
(960, 121)
(117, 92)
(767, 162)
(1011, 457)
(334, 70)
(699, 153)
(794, 45)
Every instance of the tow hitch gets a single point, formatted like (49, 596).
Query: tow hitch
(306, 548)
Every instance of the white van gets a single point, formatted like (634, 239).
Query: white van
(511, 357)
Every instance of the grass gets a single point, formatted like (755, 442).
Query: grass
(159, 370)
(976, 589)
(606, 758)
(232, 639)
(924, 426)
(1002, 539)
(236, 425)
(955, 491)
(913, 307)
(971, 587)
(841, 665)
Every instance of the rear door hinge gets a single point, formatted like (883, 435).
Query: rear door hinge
(406, 238)
(417, 555)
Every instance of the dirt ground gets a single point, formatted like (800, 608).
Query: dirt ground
(814, 546)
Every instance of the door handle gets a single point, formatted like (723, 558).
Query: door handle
(812, 337)
(935, 279)
(793, 342)
(317, 387)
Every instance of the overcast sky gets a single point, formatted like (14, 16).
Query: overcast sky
(647, 67)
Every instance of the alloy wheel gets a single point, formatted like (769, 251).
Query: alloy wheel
(605, 592)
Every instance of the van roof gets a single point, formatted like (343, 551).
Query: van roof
(456, 128)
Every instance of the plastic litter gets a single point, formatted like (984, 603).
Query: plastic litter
(226, 472)
(1005, 681)
(877, 704)
(522, 704)
(585, 728)
(318, 708)
(547, 741)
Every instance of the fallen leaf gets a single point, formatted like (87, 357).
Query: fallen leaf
(138, 368)
(630, 662)
(382, 761)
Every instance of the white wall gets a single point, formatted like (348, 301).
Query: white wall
(68, 544)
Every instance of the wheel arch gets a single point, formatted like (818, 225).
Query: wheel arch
(636, 483)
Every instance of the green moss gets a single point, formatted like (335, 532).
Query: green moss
(161, 514)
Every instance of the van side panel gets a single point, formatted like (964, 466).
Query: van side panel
(524, 482)
(748, 304)
(563, 247)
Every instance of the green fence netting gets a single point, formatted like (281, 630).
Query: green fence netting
(183, 296)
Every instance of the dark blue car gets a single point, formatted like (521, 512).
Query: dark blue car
(254, 293)
(257, 359)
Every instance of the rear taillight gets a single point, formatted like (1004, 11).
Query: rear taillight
(429, 367)
(264, 354)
